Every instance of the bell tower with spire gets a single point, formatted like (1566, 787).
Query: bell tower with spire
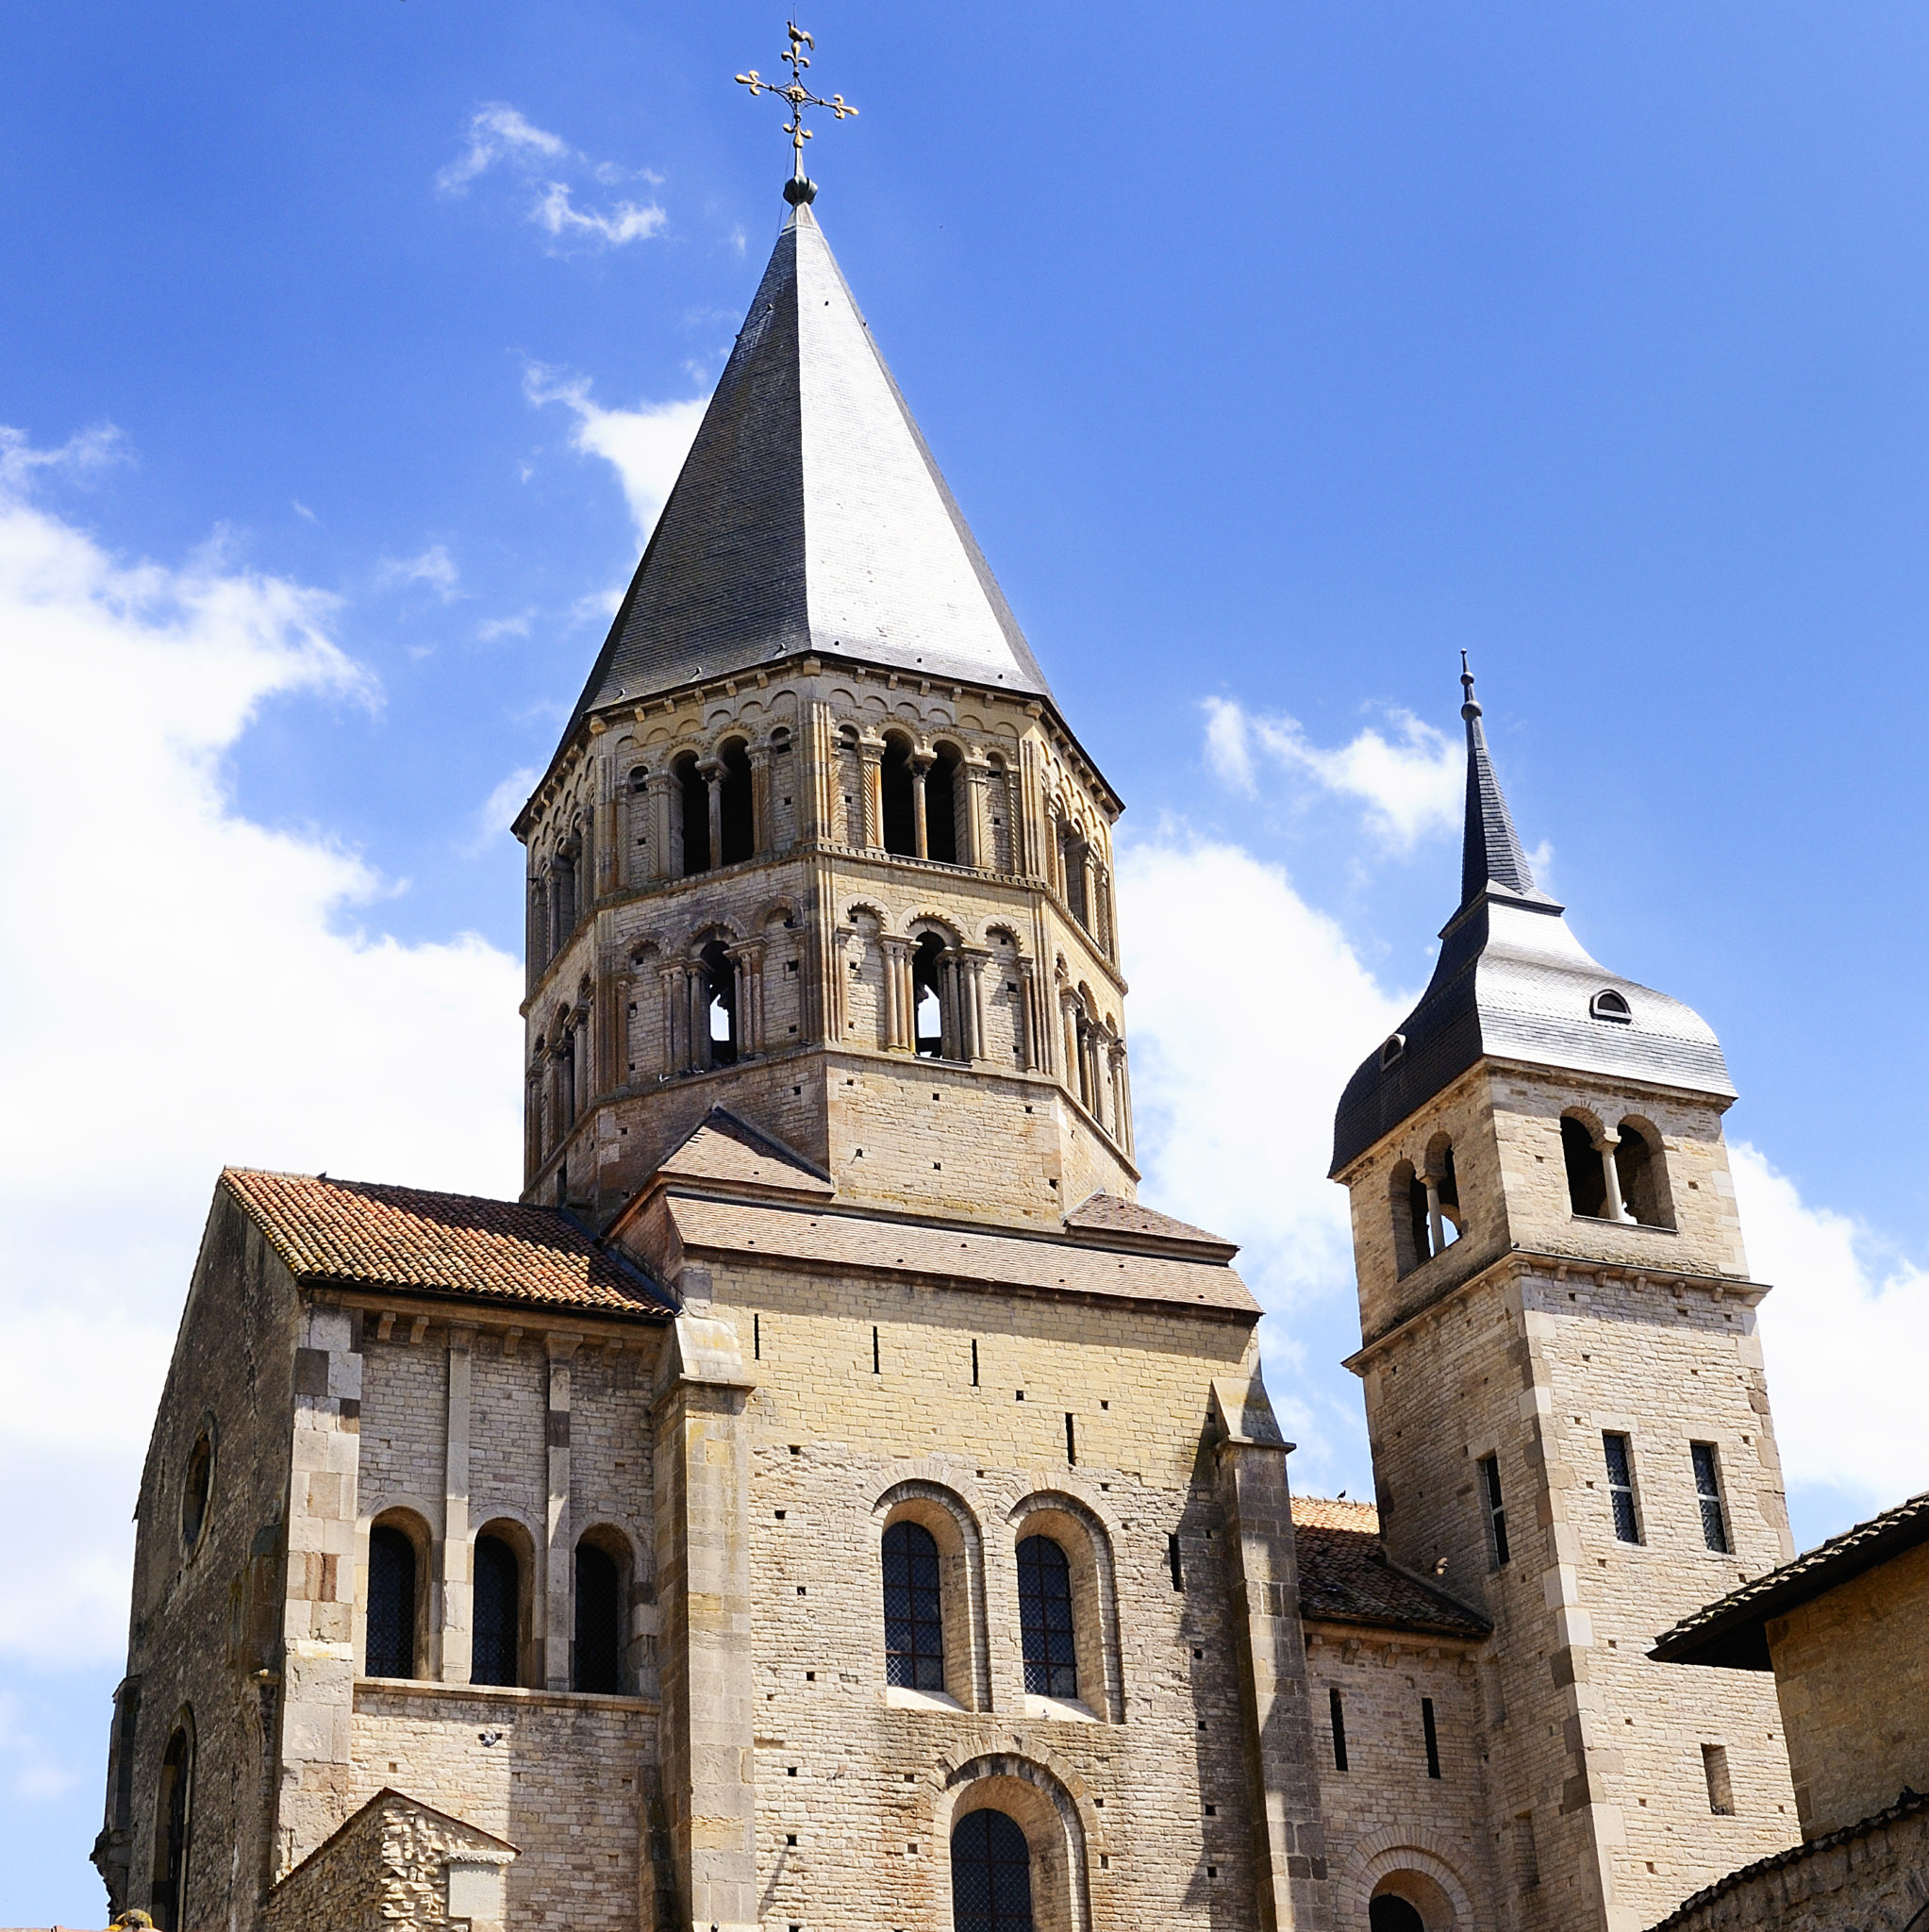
(1565, 1397)
(817, 846)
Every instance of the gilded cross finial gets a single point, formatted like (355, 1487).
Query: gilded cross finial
(799, 188)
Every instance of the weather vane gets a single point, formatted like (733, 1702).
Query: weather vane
(799, 188)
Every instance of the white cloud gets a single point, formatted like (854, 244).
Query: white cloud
(628, 221)
(182, 986)
(498, 132)
(645, 446)
(92, 449)
(497, 812)
(1233, 1083)
(499, 628)
(1412, 783)
(1846, 1333)
(433, 567)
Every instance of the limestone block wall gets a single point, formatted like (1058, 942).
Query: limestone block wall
(1872, 1880)
(206, 1621)
(1503, 1126)
(1603, 1751)
(1140, 1802)
(1851, 1676)
(1386, 1818)
(566, 1779)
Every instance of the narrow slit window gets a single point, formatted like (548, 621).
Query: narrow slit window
(975, 1365)
(1337, 1706)
(876, 1355)
(1621, 1487)
(1070, 1440)
(1721, 1788)
(1432, 1736)
(1172, 1562)
(756, 1337)
(1496, 1511)
(1708, 1488)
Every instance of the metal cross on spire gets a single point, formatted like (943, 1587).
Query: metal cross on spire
(799, 188)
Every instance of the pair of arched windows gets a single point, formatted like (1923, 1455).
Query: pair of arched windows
(914, 1614)
(1622, 1176)
(392, 1644)
(1427, 1215)
(919, 800)
(718, 810)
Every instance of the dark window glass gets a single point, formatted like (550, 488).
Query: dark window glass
(1708, 1488)
(1621, 1488)
(390, 1647)
(194, 1491)
(991, 1876)
(598, 1664)
(1044, 1619)
(498, 1612)
(1496, 1510)
(913, 1618)
(1390, 1914)
(175, 1810)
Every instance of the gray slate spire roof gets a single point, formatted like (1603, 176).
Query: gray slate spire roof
(1513, 983)
(808, 516)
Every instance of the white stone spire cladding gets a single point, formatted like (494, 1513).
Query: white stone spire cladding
(808, 516)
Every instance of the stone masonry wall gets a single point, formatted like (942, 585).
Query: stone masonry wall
(1153, 1811)
(1852, 1676)
(1602, 1749)
(205, 1619)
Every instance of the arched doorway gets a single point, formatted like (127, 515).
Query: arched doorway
(1391, 1913)
(990, 1875)
(1408, 1900)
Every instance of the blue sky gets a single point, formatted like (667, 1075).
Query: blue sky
(1276, 355)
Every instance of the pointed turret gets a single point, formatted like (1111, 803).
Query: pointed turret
(1513, 983)
(809, 516)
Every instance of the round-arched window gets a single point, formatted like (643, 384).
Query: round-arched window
(991, 1876)
(196, 1486)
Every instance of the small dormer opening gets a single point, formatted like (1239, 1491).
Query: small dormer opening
(1392, 1050)
(1609, 1005)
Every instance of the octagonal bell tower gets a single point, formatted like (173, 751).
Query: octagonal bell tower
(1565, 1395)
(817, 846)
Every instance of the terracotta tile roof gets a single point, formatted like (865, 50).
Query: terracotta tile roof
(361, 1234)
(1732, 1631)
(1103, 1213)
(862, 1241)
(1345, 1576)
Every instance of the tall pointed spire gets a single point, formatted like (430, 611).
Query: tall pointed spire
(1491, 853)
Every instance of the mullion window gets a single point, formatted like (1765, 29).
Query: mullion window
(913, 1609)
(1621, 1488)
(1708, 1488)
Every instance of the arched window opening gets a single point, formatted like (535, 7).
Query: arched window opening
(597, 1658)
(913, 1609)
(174, 1814)
(638, 780)
(900, 805)
(719, 1003)
(1411, 1207)
(990, 1875)
(693, 795)
(1045, 1617)
(1587, 1181)
(1643, 1172)
(1447, 1192)
(196, 1487)
(941, 805)
(565, 887)
(734, 806)
(498, 1613)
(928, 998)
(389, 1647)
(1071, 854)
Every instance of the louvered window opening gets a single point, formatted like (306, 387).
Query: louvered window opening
(991, 1876)
(1045, 1617)
(913, 1609)
(390, 1651)
(1621, 1488)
